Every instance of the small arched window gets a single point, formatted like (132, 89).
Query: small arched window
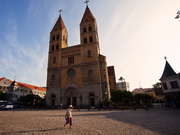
(57, 47)
(89, 53)
(85, 40)
(90, 72)
(90, 28)
(52, 48)
(91, 95)
(53, 37)
(84, 30)
(57, 37)
(90, 39)
(53, 77)
(54, 59)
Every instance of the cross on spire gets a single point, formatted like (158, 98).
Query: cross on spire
(60, 11)
(86, 2)
(165, 58)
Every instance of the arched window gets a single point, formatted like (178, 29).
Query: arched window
(90, 72)
(53, 37)
(57, 37)
(91, 95)
(57, 47)
(52, 48)
(84, 30)
(89, 53)
(90, 39)
(54, 59)
(90, 28)
(53, 77)
(85, 40)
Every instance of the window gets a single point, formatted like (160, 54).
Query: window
(90, 39)
(70, 60)
(54, 60)
(53, 38)
(53, 77)
(90, 28)
(165, 86)
(89, 53)
(57, 47)
(90, 73)
(84, 30)
(174, 85)
(57, 37)
(52, 48)
(85, 40)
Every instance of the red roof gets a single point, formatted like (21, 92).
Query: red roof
(31, 86)
(26, 85)
(2, 78)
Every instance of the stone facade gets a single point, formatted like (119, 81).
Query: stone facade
(78, 74)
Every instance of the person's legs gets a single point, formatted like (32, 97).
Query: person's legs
(70, 122)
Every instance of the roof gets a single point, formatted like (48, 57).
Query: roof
(25, 85)
(2, 78)
(59, 24)
(168, 71)
(31, 86)
(88, 16)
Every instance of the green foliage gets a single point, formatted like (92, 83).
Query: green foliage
(31, 100)
(126, 98)
(121, 97)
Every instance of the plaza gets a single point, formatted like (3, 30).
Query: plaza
(156, 121)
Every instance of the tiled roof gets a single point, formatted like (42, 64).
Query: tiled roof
(168, 71)
(59, 24)
(26, 85)
(2, 78)
(31, 86)
(88, 16)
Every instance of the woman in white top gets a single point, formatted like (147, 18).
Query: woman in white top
(68, 116)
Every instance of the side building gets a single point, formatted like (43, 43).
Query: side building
(112, 78)
(170, 81)
(20, 89)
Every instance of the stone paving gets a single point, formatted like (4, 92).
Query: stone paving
(156, 121)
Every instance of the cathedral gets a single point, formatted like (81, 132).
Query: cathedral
(78, 74)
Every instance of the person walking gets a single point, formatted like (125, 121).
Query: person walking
(68, 116)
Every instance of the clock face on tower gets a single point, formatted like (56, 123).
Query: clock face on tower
(71, 72)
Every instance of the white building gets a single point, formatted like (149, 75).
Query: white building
(170, 81)
(123, 86)
(21, 89)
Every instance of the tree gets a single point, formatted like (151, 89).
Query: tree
(157, 86)
(121, 97)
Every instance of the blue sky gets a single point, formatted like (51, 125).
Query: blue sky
(134, 35)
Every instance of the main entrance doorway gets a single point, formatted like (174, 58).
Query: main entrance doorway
(71, 97)
(92, 99)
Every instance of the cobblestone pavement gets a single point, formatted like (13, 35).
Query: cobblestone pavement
(156, 121)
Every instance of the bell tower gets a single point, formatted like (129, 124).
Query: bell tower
(88, 29)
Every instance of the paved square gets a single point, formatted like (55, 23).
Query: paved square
(156, 121)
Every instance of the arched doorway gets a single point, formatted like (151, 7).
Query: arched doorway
(53, 99)
(71, 95)
(92, 99)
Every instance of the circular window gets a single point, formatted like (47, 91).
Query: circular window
(71, 72)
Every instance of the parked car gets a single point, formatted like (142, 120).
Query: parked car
(7, 106)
